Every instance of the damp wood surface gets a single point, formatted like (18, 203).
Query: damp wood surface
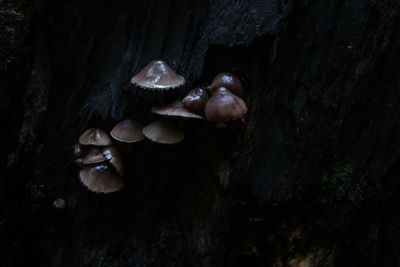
(309, 178)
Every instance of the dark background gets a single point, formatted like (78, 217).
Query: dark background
(310, 179)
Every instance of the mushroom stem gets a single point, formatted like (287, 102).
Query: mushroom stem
(160, 96)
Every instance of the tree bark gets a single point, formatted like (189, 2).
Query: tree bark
(309, 179)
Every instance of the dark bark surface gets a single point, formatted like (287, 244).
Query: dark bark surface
(309, 179)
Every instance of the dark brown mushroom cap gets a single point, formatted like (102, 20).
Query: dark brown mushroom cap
(115, 158)
(94, 155)
(196, 100)
(163, 132)
(101, 178)
(128, 131)
(157, 75)
(77, 151)
(95, 137)
(229, 81)
(224, 106)
(175, 109)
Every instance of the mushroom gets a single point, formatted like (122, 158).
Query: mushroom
(175, 109)
(196, 100)
(224, 106)
(101, 154)
(95, 137)
(128, 131)
(59, 203)
(95, 155)
(101, 178)
(229, 81)
(163, 132)
(157, 75)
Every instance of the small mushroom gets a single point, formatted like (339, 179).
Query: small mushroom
(163, 132)
(101, 154)
(224, 106)
(229, 81)
(95, 155)
(196, 100)
(175, 109)
(95, 137)
(101, 178)
(157, 75)
(59, 203)
(128, 131)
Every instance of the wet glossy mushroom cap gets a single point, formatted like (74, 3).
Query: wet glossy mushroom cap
(94, 155)
(229, 81)
(95, 137)
(163, 132)
(175, 109)
(196, 100)
(101, 178)
(128, 131)
(115, 157)
(224, 106)
(157, 75)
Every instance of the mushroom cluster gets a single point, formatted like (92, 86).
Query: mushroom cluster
(157, 75)
(225, 103)
(100, 164)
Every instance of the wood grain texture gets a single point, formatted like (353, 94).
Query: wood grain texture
(309, 177)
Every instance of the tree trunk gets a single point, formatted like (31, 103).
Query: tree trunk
(310, 178)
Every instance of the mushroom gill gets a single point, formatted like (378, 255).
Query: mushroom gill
(175, 109)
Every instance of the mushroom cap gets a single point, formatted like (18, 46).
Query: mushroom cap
(115, 157)
(163, 132)
(95, 155)
(95, 137)
(128, 131)
(196, 100)
(59, 203)
(224, 106)
(229, 81)
(101, 178)
(157, 75)
(175, 109)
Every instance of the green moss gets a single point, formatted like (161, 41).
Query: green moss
(341, 183)
(336, 183)
(357, 192)
(36, 191)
